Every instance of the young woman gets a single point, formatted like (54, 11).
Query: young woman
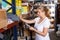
(42, 23)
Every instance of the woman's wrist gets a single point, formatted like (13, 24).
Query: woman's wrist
(34, 30)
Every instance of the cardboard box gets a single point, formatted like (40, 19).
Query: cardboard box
(3, 18)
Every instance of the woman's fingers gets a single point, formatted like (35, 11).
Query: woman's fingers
(31, 28)
(20, 16)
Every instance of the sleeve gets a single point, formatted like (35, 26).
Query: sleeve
(47, 24)
(36, 19)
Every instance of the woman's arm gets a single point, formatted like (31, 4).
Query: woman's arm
(27, 21)
(45, 30)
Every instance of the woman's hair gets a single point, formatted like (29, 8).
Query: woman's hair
(44, 8)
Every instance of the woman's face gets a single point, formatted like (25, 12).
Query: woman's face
(40, 13)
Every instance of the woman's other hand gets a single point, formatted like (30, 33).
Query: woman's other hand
(31, 28)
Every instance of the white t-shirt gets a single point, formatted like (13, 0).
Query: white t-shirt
(39, 26)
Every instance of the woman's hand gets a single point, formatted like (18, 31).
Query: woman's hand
(31, 28)
(20, 16)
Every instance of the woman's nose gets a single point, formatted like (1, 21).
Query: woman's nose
(37, 12)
